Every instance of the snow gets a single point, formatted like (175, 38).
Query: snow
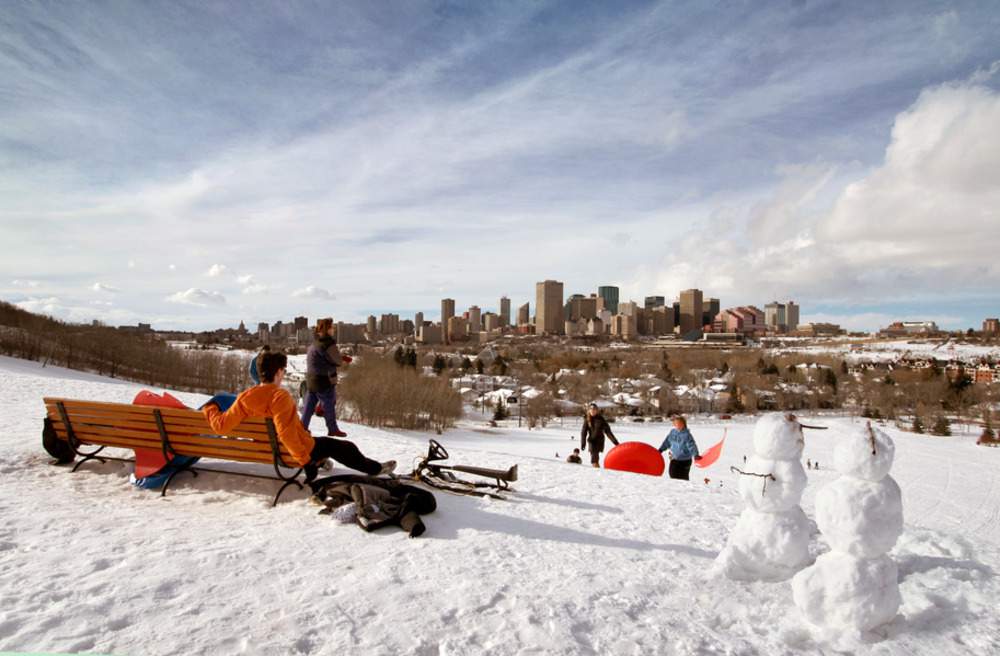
(578, 561)
(858, 517)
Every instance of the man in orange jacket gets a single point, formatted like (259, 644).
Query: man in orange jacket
(269, 399)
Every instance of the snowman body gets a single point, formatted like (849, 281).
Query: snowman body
(770, 541)
(854, 587)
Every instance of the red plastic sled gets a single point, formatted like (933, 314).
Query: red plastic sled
(150, 461)
(636, 457)
(709, 457)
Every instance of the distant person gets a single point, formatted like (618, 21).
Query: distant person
(595, 428)
(808, 463)
(574, 458)
(322, 361)
(816, 465)
(744, 460)
(270, 399)
(681, 448)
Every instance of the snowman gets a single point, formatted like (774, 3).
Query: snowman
(854, 587)
(770, 541)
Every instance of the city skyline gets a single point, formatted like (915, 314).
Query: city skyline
(211, 164)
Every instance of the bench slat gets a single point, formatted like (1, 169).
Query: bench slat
(224, 452)
(118, 409)
(149, 424)
(150, 440)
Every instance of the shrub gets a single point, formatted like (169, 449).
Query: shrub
(380, 393)
(941, 426)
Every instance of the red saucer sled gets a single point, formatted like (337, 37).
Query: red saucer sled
(636, 457)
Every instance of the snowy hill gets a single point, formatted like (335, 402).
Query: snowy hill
(579, 561)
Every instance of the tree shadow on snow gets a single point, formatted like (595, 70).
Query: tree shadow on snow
(569, 503)
(450, 517)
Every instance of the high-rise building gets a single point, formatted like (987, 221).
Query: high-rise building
(389, 324)
(661, 320)
(475, 319)
(610, 296)
(447, 312)
(491, 322)
(301, 322)
(677, 313)
(571, 310)
(691, 311)
(991, 326)
(710, 309)
(370, 327)
(418, 320)
(774, 316)
(457, 329)
(264, 332)
(549, 308)
(524, 315)
(629, 308)
(429, 334)
(504, 311)
(623, 326)
(654, 302)
(792, 315)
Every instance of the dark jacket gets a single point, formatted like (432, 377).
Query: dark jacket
(593, 432)
(379, 501)
(322, 361)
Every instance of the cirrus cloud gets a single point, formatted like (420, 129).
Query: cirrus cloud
(312, 291)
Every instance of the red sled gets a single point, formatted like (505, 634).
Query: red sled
(150, 461)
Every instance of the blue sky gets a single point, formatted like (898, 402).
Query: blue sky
(198, 164)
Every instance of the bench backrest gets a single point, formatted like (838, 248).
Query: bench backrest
(136, 426)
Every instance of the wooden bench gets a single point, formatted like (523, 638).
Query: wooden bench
(173, 431)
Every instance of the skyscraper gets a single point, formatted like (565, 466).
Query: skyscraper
(549, 308)
(792, 315)
(524, 315)
(504, 311)
(475, 319)
(447, 312)
(774, 315)
(610, 296)
(691, 310)
(710, 309)
(654, 302)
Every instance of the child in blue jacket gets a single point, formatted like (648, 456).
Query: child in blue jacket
(681, 448)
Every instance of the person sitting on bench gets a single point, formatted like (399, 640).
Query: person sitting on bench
(269, 399)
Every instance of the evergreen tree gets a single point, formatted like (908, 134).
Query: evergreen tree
(724, 369)
(399, 356)
(479, 366)
(439, 364)
(501, 412)
(918, 425)
(466, 363)
(988, 432)
(941, 426)
(411, 358)
(830, 378)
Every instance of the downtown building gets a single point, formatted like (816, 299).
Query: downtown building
(549, 308)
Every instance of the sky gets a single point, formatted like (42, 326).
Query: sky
(197, 164)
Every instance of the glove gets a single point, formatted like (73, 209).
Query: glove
(347, 359)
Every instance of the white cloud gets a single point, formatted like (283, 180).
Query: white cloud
(131, 264)
(101, 287)
(924, 223)
(172, 267)
(216, 270)
(245, 279)
(31, 284)
(314, 292)
(256, 288)
(199, 297)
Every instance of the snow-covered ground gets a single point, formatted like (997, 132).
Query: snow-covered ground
(579, 561)
(889, 350)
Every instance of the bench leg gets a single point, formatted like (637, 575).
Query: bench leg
(89, 456)
(283, 488)
(170, 478)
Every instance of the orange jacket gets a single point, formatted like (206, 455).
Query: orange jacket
(266, 400)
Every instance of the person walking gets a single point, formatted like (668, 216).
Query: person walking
(595, 428)
(322, 361)
(681, 448)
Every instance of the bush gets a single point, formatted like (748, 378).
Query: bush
(501, 412)
(380, 393)
(918, 426)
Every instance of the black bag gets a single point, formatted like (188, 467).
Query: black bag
(58, 449)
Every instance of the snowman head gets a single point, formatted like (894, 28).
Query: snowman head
(778, 436)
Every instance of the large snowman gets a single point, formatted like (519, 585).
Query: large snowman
(770, 541)
(854, 587)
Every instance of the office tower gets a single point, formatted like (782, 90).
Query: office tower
(691, 310)
(524, 315)
(588, 307)
(661, 320)
(629, 309)
(610, 296)
(418, 320)
(301, 322)
(710, 309)
(571, 311)
(491, 322)
(504, 311)
(475, 319)
(792, 315)
(388, 324)
(677, 313)
(457, 328)
(263, 332)
(447, 312)
(654, 302)
(370, 327)
(774, 315)
(549, 308)
(429, 334)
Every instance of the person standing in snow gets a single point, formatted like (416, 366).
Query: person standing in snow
(322, 361)
(681, 448)
(595, 428)
(270, 399)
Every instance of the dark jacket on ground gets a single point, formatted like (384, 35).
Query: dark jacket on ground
(322, 361)
(379, 501)
(593, 432)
